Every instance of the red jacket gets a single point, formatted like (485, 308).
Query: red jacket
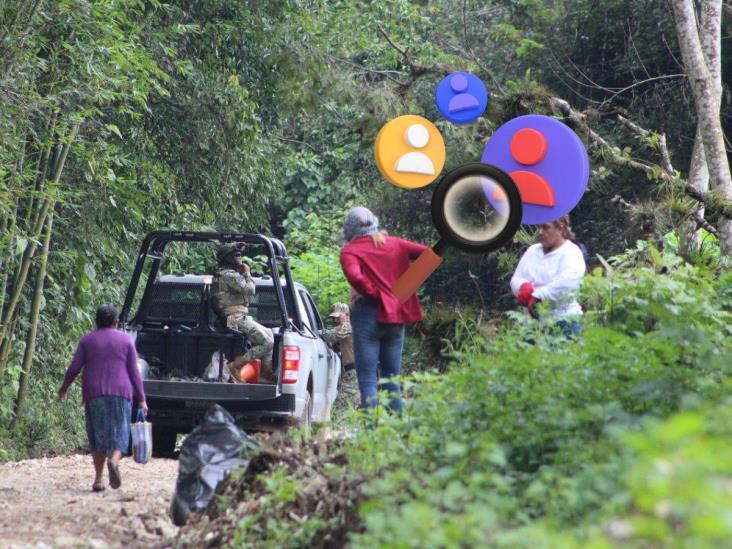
(372, 271)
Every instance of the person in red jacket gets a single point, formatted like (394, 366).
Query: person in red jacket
(378, 317)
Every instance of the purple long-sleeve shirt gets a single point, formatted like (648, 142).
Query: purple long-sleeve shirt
(109, 361)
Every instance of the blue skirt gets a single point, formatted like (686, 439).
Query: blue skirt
(108, 424)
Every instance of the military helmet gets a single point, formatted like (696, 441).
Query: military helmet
(227, 250)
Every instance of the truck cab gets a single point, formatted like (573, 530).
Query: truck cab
(177, 332)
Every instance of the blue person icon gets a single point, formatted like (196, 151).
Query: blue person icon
(461, 97)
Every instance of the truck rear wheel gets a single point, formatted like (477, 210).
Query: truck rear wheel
(163, 441)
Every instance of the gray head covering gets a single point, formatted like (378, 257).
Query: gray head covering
(359, 222)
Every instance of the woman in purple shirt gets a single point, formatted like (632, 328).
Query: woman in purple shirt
(109, 362)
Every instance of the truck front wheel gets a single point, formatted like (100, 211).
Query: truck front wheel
(163, 441)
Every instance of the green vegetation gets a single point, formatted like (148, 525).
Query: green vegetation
(120, 117)
(617, 437)
(314, 242)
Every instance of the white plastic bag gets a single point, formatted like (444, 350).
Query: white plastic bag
(211, 373)
(141, 439)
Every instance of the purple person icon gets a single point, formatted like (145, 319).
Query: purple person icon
(462, 101)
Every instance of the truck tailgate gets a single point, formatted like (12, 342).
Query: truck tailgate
(220, 392)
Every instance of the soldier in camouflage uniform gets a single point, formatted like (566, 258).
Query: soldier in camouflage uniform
(341, 335)
(341, 338)
(233, 289)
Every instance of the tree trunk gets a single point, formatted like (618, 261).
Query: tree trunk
(710, 20)
(699, 179)
(30, 344)
(706, 98)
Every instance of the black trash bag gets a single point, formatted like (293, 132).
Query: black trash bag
(207, 455)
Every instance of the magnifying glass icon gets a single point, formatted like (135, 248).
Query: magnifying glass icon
(476, 208)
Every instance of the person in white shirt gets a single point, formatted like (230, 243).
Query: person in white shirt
(552, 271)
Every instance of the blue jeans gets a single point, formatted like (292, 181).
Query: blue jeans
(378, 351)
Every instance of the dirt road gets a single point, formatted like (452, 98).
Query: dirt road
(49, 503)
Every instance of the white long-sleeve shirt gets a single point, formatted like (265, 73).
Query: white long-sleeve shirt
(556, 276)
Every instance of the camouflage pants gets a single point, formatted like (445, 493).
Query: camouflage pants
(262, 340)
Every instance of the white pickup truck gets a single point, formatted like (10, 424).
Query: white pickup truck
(177, 332)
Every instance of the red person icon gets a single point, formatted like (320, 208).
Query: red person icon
(529, 147)
(547, 161)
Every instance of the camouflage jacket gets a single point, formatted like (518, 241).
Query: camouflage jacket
(341, 335)
(232, 292)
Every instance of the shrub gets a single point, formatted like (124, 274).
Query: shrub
(529, 439)
(518, 440)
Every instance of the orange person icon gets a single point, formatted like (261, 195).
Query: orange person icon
(409, 151)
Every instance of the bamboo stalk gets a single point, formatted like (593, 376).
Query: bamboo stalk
(9, 313)
(22, 7)
(43, 160)
(30, 342)
(6, 270)
(10, 218)
(19, 283)
(34, 220)
(7, 345)
(33, 12)
(4, 263)
(15, 212)
(42, 168)
(22, 30)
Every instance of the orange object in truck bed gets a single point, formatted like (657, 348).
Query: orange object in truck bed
(249, 373)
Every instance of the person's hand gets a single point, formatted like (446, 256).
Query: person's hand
(244, 269)
(524, 293)
(61, 395)
(143, 407)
